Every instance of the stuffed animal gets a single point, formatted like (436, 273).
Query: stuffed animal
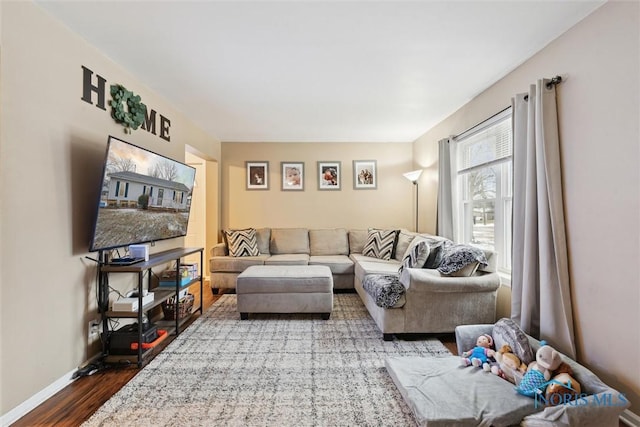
(479, 355)
(508, 366)
(563, 387)
(539, 371)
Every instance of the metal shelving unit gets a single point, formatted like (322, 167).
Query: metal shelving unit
(161, 294)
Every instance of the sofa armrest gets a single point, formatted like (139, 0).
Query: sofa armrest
(220, 249)
(467, 335)
(425, 280)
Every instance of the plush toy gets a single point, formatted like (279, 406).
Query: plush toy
(508, 366)
(539, 371)
(563, 387)
(479, 355)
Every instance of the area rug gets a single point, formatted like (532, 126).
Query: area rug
(270, 370)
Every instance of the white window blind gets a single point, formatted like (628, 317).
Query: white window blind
(484, 182)
(488, 143)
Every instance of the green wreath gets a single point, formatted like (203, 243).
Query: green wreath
(134, 115)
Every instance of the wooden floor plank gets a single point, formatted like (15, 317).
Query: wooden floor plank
(75, 403)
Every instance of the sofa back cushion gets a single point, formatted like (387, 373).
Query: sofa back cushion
(263, 235)
(289, 241)
(357, 239)
(329, 242)
(491, 266)
(405, 238)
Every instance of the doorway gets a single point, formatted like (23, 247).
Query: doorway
(197, 226)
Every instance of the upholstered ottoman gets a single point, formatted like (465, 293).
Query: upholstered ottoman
(285, 289)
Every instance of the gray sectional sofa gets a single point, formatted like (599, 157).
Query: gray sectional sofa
(432, 302)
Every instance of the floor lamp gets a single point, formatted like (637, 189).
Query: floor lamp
(413, 176)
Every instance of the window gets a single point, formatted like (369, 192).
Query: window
(485, 190)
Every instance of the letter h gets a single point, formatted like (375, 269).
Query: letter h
(88, 87)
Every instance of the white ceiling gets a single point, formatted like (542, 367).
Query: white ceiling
(365, 71)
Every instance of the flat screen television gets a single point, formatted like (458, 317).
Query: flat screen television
(144, 197)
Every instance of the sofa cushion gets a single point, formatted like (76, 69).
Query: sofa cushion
(380, 243)
(338, 264)
(288, 280)
(458, 256)
(329, 242)
(263, 236)
(227, 264)
(402, 244)
(440, 393)
(287, 259)
(385, 290)
(289, 241)
(506, 331)
(242, 242)
(436, 252)
(416, 256)
(357, 239)
(362, 267)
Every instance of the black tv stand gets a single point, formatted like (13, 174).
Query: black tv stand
(161, 294)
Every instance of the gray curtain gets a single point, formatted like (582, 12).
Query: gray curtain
(541, 295)
(446, 183)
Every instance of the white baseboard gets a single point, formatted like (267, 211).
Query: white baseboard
(37, 399)
(630, 419)
(34, 401)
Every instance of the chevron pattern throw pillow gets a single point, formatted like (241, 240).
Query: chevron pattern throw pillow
(242, 242)
(416, 257)
(380, 243)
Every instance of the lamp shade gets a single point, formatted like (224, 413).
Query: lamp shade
(413, 175)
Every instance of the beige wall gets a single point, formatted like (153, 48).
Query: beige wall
(52, 143)
(52, 146)
(599, 129)
(391, 205)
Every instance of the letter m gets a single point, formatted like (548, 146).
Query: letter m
(601, 399)
(150, 121)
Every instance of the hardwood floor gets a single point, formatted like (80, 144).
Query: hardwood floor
(75, 403)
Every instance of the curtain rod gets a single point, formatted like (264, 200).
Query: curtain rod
(554, 81)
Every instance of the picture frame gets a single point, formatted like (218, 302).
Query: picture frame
(365, 175)
(292, 176)
(329, 175)
(257, 175)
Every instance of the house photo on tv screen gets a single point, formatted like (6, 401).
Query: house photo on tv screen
(144, 197)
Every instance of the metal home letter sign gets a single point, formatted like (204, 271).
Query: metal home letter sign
(127, 108)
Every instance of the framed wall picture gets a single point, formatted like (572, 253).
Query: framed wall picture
(292, 175)
(329, 176)
(365, 174)
(257, 175)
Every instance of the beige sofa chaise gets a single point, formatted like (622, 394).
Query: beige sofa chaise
(432, 302)
(430, 298)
